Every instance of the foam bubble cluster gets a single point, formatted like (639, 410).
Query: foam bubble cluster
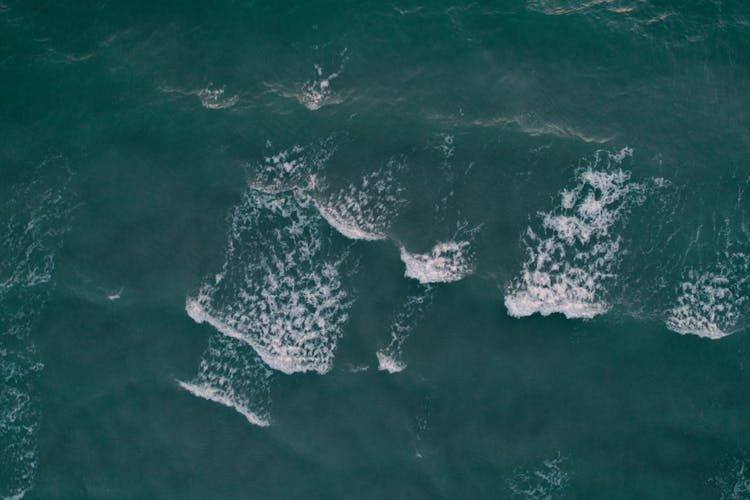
(575, 253)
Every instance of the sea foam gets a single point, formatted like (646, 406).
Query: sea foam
(575, 254)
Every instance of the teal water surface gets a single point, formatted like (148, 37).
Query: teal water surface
(375, 249)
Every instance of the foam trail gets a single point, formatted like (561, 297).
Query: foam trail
(575, 254)
(390, 358)
(281, 289)
(232, 375)
(366, 210)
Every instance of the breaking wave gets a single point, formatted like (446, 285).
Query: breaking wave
(213, 98)
(447, 262)
(365, 211)
(296, 168)
(281, 287)
(390, 358)
(708, 306)
(712, 300)
(317, 91)
(575, 253)
(232, 375)
(210, 97)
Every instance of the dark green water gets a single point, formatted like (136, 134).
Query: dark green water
(375, 249)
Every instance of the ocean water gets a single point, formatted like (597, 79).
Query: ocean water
(375, 249)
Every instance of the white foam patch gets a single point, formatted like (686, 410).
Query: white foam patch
(390, 358)
(281, 288)
(546, 481)
(712, 304)
(447, 262)
(232, 375)
(389, 364)
(365, 211)
(575, 254)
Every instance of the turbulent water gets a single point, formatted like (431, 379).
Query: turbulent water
(375, 249)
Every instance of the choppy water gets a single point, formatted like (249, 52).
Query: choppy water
(378, 249)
